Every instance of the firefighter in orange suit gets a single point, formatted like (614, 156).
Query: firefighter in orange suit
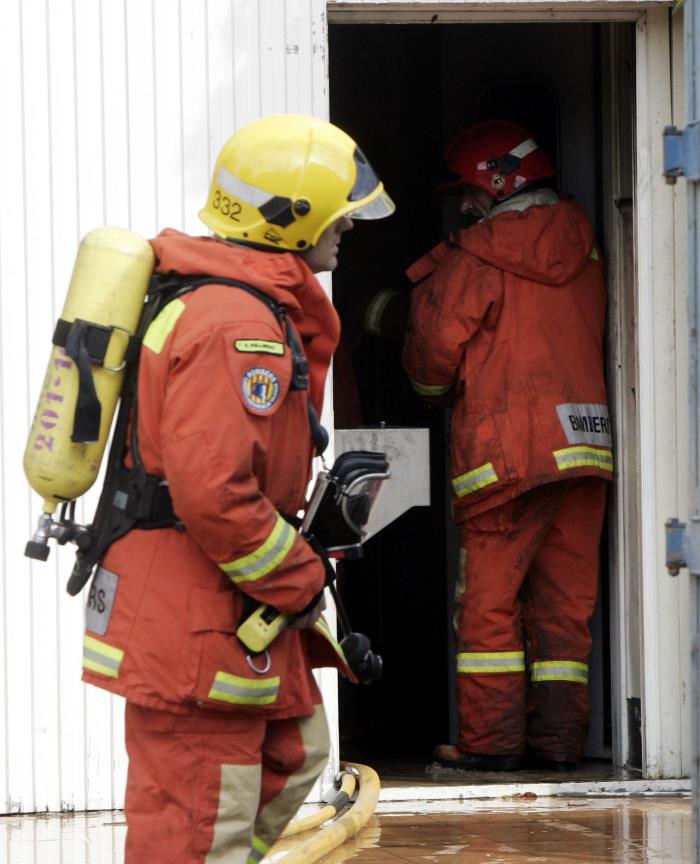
(223, 744)
(507, 319)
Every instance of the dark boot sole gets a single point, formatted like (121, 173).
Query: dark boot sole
(474, 762)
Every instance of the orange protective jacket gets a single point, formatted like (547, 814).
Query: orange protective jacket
(510, 318)
(218, 420)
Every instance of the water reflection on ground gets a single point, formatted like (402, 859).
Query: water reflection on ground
(536, 831)
(519, 829)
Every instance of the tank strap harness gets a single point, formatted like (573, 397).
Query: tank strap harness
(86, 344)
(130, 497)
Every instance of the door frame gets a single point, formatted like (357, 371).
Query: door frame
(657, 635)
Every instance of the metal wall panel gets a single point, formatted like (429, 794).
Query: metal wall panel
(114, 112)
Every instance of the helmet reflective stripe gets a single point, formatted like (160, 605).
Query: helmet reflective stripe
(266, 557)
(583, 457)
(512, 159)
(282, 180)
(474, 480)
(498, 156)
(244, 691)
(559, 670)
(101, 657)
(429, 389)
(258, 852)
(490, 663)
(241, 189)
(523, 149)
(159, 330)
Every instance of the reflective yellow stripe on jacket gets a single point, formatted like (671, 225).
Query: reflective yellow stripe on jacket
(490, 663)
(160, 329)
(474, 480)
(244, 691)
(584, 457)
(559, 670)
(429, 389)
(101, 657)
(265, 558)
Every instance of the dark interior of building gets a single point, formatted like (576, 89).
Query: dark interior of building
(403, 92)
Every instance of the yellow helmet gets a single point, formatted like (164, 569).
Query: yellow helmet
(282, 180)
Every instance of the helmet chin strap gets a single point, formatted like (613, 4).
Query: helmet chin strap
(262, 247)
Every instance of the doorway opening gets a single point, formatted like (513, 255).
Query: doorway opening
(403, 91)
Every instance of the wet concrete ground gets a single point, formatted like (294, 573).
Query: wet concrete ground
(522, 830)
(598, 813)
(549, 831)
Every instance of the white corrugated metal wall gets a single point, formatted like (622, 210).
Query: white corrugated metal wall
(113, 113)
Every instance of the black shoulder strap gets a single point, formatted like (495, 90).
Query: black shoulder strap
(178, 285)
(111, 520)
(300, 366)
(175, 285)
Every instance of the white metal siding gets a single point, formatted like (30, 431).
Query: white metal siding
(113, 113)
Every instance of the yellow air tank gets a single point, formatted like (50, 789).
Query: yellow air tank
(108, 286)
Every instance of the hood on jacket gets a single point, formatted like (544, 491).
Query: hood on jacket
(550, 243)
(280, 275)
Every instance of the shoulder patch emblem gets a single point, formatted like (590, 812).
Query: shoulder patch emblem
(259, 346)
(261, 388)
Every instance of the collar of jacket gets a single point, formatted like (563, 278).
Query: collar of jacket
(538, 197)
(283, 276)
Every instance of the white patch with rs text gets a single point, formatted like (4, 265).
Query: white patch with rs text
(100, 600)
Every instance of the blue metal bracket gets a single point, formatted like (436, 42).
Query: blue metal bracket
(681, 547)
(682, 152)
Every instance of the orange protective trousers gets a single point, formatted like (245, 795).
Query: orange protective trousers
(527, 591)
(205, 788)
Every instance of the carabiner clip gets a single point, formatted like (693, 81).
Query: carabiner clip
(250, 658)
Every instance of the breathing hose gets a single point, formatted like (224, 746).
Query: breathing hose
(345, 826)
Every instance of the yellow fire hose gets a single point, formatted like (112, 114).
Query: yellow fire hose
(345, 826)
(330, 811)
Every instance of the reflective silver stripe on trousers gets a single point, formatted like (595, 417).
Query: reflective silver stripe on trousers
(495, 662)
(559, 670)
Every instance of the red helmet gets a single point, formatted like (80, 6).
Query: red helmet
(498, 156)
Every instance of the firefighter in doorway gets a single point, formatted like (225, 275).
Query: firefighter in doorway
(507, 322)
(224, 744)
